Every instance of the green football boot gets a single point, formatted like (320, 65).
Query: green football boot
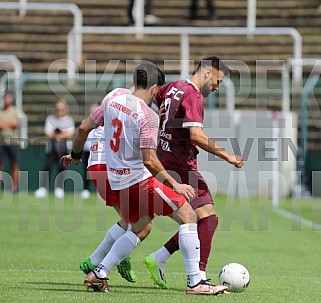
(125, 270)
(86, 266)
(156, 271)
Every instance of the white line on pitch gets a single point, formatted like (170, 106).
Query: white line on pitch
(314, 226)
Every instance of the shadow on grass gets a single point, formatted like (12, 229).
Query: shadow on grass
(52, 283)
(118, 287)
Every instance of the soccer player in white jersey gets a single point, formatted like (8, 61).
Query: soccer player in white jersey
(135, 175)
(98, 174)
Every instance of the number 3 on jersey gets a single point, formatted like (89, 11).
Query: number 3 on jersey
(114, 144)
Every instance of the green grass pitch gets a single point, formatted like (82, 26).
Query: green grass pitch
(43, 241)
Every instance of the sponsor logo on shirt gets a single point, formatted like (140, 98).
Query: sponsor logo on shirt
(121, 107)
(120, 172)
(165, 135)
(164, 145)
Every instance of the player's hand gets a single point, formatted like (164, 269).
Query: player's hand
(67, 160)
(236, 160)
(161, 111)
(185, 190)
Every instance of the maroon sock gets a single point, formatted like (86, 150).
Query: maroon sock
(206, 228)
(172, 244)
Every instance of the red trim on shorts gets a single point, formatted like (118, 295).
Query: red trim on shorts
(98, 174)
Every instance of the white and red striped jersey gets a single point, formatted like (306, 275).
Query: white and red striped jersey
(130, 125)
(96, 139)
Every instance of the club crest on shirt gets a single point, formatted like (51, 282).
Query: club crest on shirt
(94, 147)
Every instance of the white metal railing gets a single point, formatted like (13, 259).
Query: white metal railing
(138, 12)
(294, 63)
(17, 72)
(251, 15)
(23, 6)
(75, 49)
(286, 100)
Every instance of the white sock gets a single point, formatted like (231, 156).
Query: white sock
(161, 255)
(103, 248)
(189, 245)
(121, 249)
(203, 275)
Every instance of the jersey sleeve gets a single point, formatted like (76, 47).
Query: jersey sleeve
(149, 130)
(193, 106)
(97, 116)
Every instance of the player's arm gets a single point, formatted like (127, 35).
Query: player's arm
(199, 137)
(82, 133)
(79, 141)
(156, 168)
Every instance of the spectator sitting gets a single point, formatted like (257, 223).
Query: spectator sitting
(58, 128)
(9, 122)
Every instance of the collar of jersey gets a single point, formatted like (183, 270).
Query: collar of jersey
(190, 82)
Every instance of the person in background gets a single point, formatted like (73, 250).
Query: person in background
(58, 129)
(210, 8)
(85, 193)
(9, 121)
(149, 18)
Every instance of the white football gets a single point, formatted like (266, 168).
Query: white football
(235, 276)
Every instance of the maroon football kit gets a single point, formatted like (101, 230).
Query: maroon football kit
(183, 109)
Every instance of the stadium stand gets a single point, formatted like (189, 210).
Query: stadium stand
(39, 38)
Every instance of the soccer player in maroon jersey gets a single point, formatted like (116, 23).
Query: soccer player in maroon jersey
(181, 131)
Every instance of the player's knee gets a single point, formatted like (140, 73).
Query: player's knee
(145, 232)
(205, 211)
(123, 224)
(186, 214)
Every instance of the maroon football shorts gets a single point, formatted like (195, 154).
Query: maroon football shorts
(195, 179)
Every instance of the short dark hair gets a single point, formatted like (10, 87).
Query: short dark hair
(148, 74)
(161, 77)
(214, 62)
